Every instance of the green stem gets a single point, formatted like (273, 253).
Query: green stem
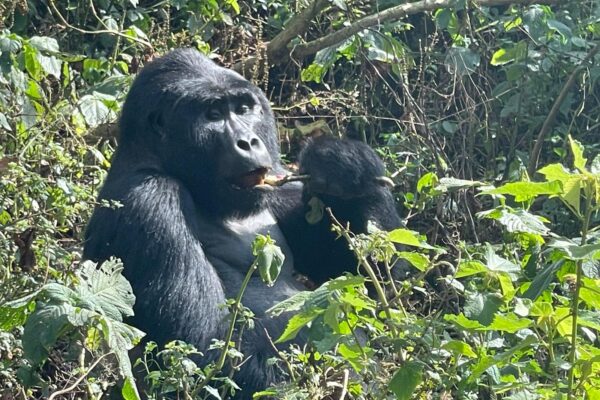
(575, 304)
(236, 307)
(367, 267)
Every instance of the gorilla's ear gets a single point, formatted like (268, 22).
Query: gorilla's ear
(157, 123)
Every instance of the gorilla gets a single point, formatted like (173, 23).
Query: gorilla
(196, 142)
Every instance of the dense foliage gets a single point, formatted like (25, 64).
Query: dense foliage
(487, 115)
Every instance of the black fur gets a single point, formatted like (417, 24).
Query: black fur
(189, 129)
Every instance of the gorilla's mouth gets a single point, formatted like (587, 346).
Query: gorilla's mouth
(252, 179)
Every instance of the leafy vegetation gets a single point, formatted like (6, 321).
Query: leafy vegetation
(487, 117)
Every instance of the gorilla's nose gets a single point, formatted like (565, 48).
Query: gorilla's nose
(253, 151)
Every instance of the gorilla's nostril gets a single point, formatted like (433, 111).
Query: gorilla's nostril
(254, 142)
(242, 144)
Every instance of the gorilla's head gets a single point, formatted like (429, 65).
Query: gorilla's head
(206, 126)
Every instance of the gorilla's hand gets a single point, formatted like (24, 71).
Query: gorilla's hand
(343, 169)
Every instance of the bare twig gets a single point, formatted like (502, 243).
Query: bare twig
(535, 154)
(109, 31)
(394, 13)
(78, 381)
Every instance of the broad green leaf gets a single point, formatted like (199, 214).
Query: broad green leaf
(498, 264)
(595, 166)
(521, 221)
(468, 268)
(129, 390)
(269, 258)
(542, 280)
(426, 181)
(555, 172)
(417, 260)
(572, 192)
(506, 55)
(575, 251)
(94, 111)
(406, 379)
(563, 30)
(43, 328)
(105, 289)
(508, 290)
(482, 307)
(579, 160)
(460, 348)
(44, 43)
(486, 362)
(408, 237)
(590, 292)
(463, 322)
(462, 61)
(523, 191)
(296, 323)
(509, 323)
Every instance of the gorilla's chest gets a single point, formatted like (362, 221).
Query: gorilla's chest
(228, 247)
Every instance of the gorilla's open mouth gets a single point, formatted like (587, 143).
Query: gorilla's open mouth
(252, 179)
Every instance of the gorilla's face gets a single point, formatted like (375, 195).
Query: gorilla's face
(213, 130)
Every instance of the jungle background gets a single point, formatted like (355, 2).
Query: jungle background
(487, 114)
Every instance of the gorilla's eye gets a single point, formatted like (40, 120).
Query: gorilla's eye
(243, 108)
(213, 113)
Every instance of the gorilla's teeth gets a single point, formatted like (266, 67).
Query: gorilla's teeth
(267, 187)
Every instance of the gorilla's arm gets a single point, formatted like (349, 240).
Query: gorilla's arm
(153, 233)
(343, 175)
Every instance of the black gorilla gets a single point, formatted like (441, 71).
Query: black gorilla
(196, 142)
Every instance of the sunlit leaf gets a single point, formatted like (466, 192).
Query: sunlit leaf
(579, 160)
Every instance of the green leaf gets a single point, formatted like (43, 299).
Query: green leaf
(296, 323)
(269, 258)
(542, 280)
(129, 390)
(509, 323)
(406, 379)
(523, 221)
(468, 268)
(43, 328)
(427, 180)
(462, 61)
(482, 307)
(459, 347)
(590, 292)
(563, 30)
(417, 260)
(506, 55)
(463, 322)
(523, 191)
(94, 111)
(575, 251)
(498, 264)
(105, 290)
(579, 160)
(44, 43)
(555, 172)
(408, 237)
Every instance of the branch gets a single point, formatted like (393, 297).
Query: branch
(394, 13)
(535, 154)
(277, 48)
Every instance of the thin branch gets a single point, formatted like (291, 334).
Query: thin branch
(78, 381)
(277, 48)
(109, 31)
(537, 148)
(394, 13)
